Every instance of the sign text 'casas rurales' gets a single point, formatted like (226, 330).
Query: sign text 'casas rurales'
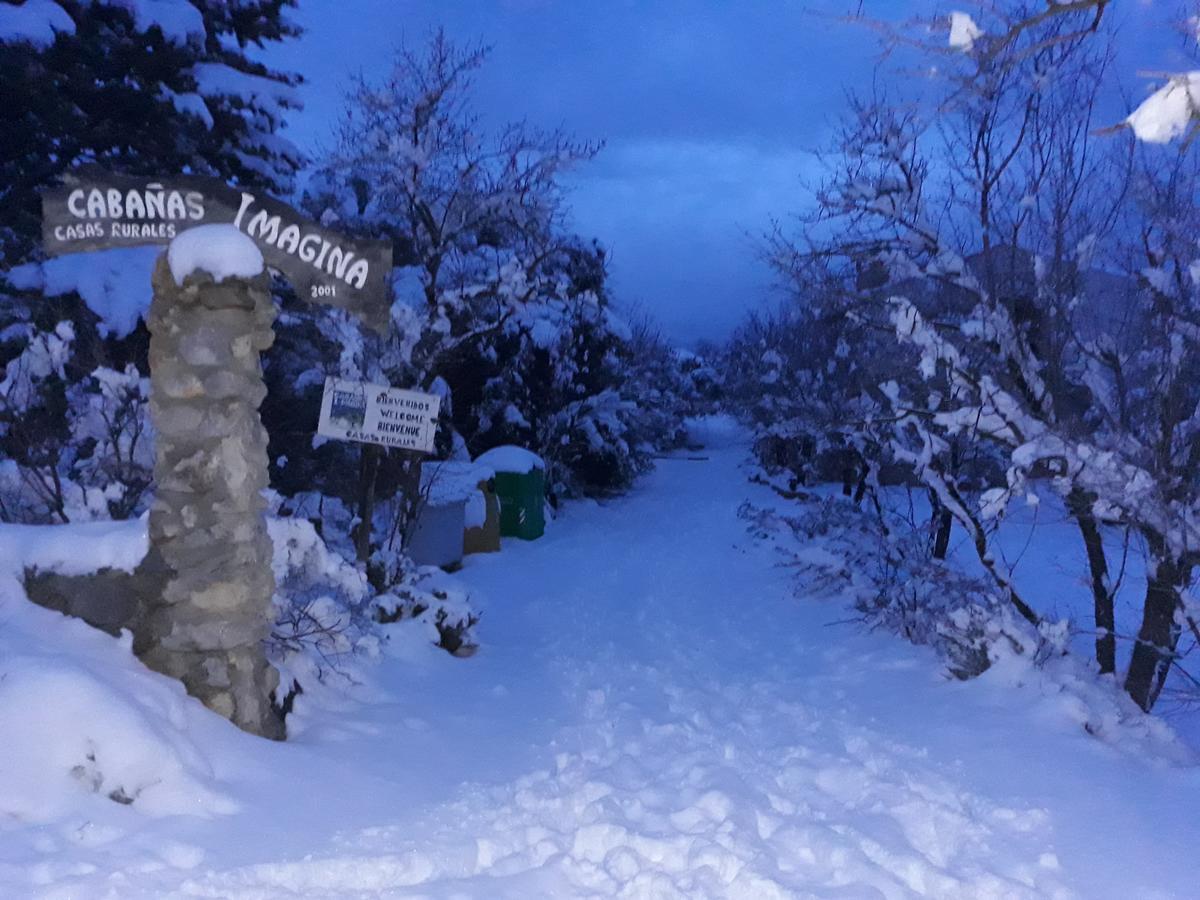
(95, 210)
(378, 414)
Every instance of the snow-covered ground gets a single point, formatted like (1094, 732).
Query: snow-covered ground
(653, 713)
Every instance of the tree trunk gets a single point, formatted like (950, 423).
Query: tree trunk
(941, 540)
(1155, 647)
(998, 573)
(368, 473)
(864, 469)
(944, 521)
(1080, 505)
(412, 500)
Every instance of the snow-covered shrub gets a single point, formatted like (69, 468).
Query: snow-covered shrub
(427, 596)
(76, 446)
(671, 386)
(591, 448)
(33, 421)
(884, 565)
(330, 614)
(560, 376)
(322, 614)
(802, 378)
(113, 441)
(880, 564)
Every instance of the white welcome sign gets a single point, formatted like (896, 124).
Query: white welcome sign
(378, 414)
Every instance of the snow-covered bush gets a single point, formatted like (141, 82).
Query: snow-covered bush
(878, 562)
(802, 378)
(671, 385)
(113, 440)
(76, 446)
(884, 566)
(1042, 322)
(426, 595)
(322, 615)
(560, 377)
(330, 617)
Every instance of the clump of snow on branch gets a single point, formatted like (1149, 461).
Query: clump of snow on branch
(1168, 113)
(963, 31)
(38, 22)
(115, 283)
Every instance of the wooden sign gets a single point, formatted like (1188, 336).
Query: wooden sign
(378, 414)
(96, 210)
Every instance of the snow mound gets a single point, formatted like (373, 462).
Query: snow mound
(221, 250)
(70, 731)
(510, 459)
(77, 549)
(83, 721)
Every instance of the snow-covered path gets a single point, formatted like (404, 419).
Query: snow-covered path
(654, 714)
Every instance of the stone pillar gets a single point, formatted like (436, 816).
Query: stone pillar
(209, 547)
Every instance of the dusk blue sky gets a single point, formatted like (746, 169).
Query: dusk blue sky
(709, 112)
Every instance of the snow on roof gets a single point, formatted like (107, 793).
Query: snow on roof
(115, 284)
(37, 22)
(516, 460)
(445, 482)
(221, 250)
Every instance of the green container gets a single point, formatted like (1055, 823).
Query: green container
(522, 498)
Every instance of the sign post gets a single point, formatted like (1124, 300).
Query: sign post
(207, 579)
(378, 414)
(210, 553)
(96, 210)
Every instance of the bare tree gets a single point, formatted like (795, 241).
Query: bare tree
(473, 215)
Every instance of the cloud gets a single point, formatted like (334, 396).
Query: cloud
(707, 108)
(680, 218)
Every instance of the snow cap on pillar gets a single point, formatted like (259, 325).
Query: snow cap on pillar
(220, 250)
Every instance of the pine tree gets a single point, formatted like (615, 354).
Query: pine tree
(138, 87)
(143, 88)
